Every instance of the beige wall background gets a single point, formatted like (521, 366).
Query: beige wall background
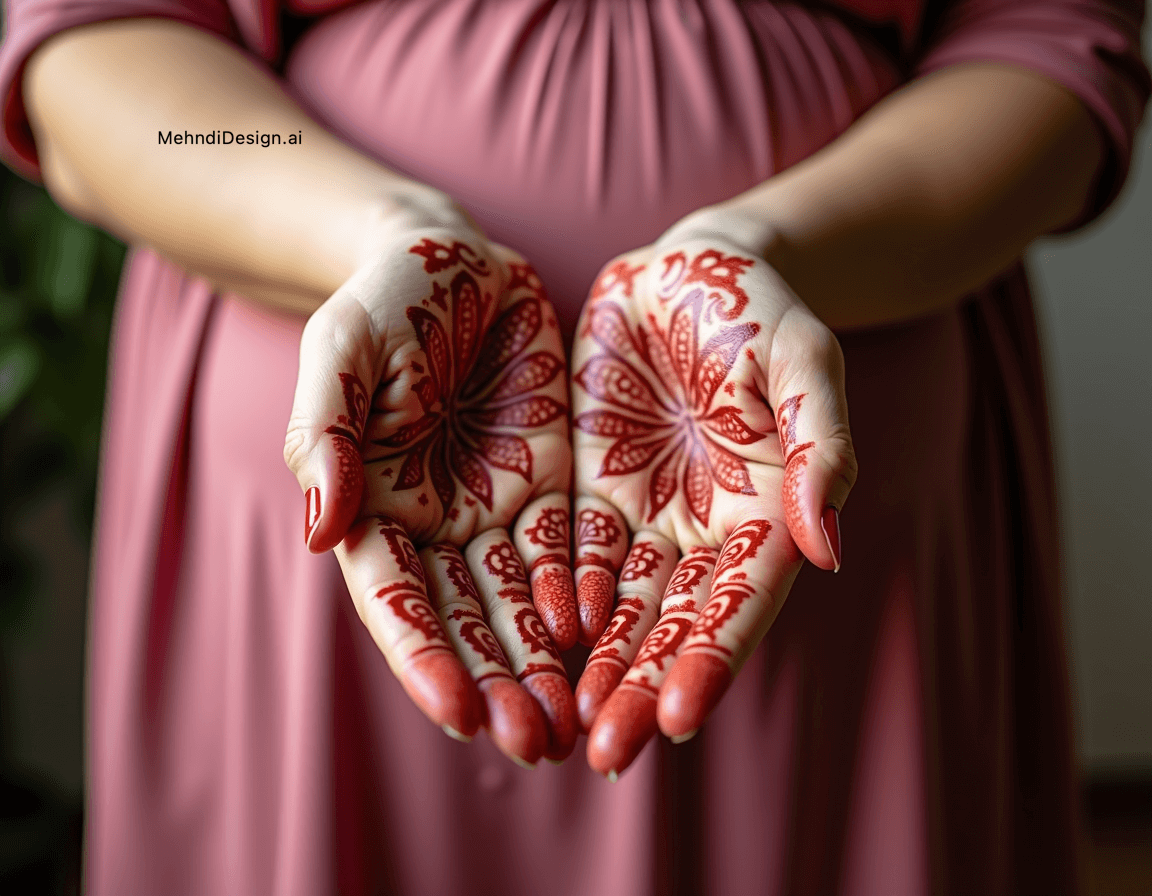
(1094, 300)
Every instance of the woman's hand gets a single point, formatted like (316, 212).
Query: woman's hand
(431, 410)
(710, 432)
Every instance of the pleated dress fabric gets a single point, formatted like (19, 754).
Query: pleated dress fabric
(905, 726)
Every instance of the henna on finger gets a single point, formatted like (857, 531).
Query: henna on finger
(643, 581)
(387, 582)
(543, 540)
(755, 570)
(504, 593)
(628, 719)
(601, 540)
(515, 722)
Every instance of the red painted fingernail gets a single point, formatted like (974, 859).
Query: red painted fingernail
(830, 523)
(311, 513)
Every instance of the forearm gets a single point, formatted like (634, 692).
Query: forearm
(284, 224)
(929, 195)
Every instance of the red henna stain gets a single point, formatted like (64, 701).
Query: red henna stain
(469, 502)
(438, 257)
(663, 642)
(454, 514)
(642, 562)
(533, 634)
(550, 529)
(624, 725)
(722, 605)
(595, 527)
(719, 272)
(479, 384)
(690, 572)
(514, 595)
(730, 389)
(503, 562)
(619, 275)
(440, 686)
(554, 596)
(686, 606)
(548, 560)
(793, 474)
(482, 641)
(596, 685)
(742, 545)
(515, 720)
(349, 471)
(457, 572)
(400, 547)
(412, 607)
(661, 387)
(692, 690)
(627, 614)
(594, 595)
(387, 471)
(595, 560)
(553, 693)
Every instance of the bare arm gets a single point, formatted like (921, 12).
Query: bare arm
(283, 225)
(930, 194)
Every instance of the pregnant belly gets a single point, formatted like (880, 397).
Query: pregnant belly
(574, 130)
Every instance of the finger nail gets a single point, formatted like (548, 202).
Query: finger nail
(613, 777)
(456, 735)
(830, 523)
(681, 738)
(523, 763)
(311, 513)
(556, 761)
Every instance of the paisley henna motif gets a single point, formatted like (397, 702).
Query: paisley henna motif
(594, 527)
(400, 547)
(503, 562)
(741, 546)
(550, 529)
(642, 562)
(411, 606)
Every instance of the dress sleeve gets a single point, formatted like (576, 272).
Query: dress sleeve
(1091, 47)
(31, 22)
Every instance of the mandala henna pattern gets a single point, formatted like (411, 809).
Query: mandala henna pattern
(661, 387)
(478, 390)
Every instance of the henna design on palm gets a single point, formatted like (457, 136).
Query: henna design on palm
(661, 385)
(450, 422)
(481, 386)
(672, 419)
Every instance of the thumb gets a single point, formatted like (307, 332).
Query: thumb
(806, 389)
(329, 410)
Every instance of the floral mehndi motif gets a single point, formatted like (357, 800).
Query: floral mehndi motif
(479, 388)
(661, 386)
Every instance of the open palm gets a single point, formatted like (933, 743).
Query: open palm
(710, 424)
(431, 411)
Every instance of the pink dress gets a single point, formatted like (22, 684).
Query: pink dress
(905, 727)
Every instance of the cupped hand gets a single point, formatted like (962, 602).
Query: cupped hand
(431, 411)
(712, 455)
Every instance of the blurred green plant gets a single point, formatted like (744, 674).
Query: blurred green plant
(58, 283)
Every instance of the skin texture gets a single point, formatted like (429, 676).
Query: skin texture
(441, 421)
(929, 194)
(710, 425)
